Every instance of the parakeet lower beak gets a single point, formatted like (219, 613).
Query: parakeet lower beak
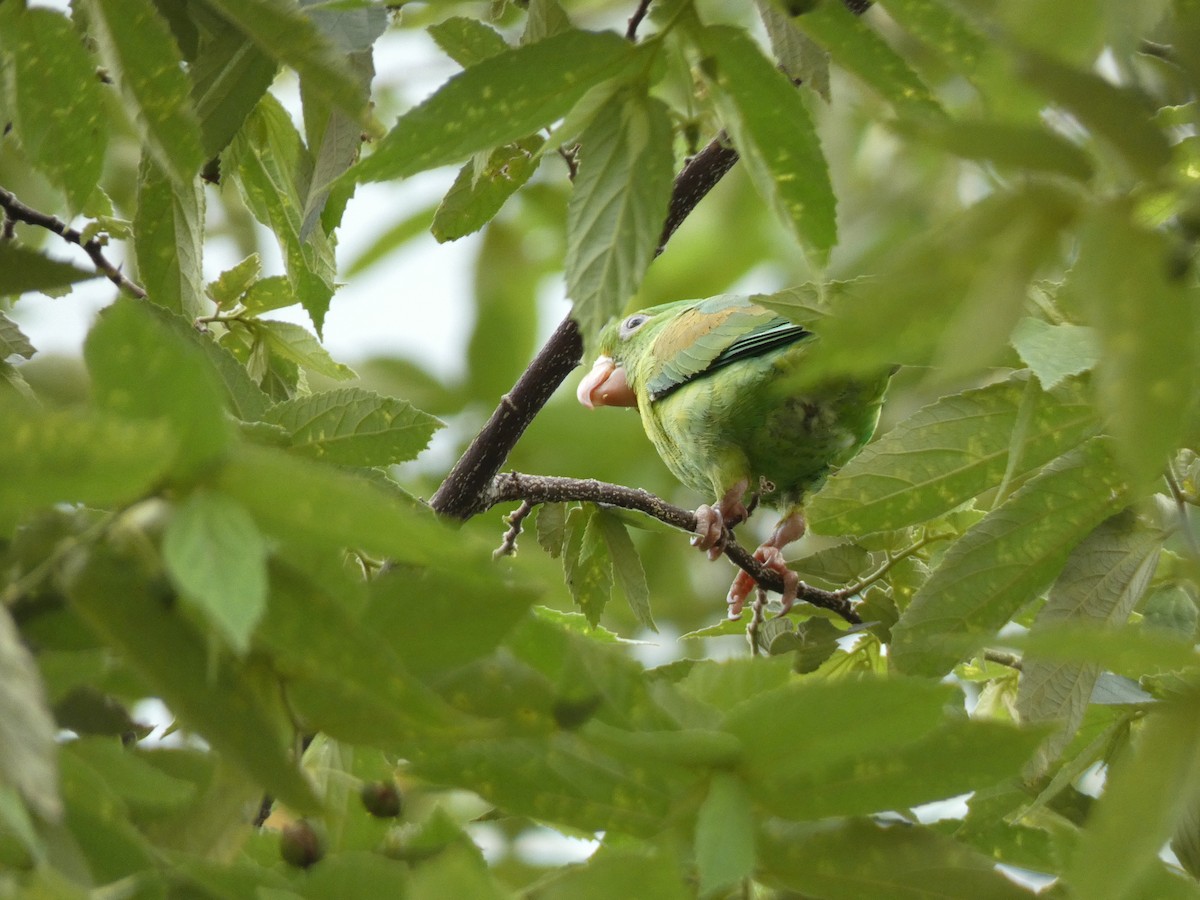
(605, 385)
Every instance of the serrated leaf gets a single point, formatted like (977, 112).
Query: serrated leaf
(137, 44)
(215, 696)
(1119, 115)
(1001, 563)
(305, 501)
(296, 344)
(797, 54)
(479, 191)
(620, 870)
(499, 100)
(13, 341)
(775, 137)
(58, 105)
(618, 205)
(724, 835)
(627, 566)
(273, 169)
(354, 427)
(467, 41)
(75, 457)
(1024, 148)
(229, 286)
(228, 75)
(940, 27)
(1133, 652)
(948, 452)
(283, 32)
(1146, 319)
(23, 270)
(141, 369)
(870, 860)
(1055, 352)
(857, 48)
(1102, 581)
(168, 239)
(1146, 794)
(586, 565)
(217, 560)
(28, 745)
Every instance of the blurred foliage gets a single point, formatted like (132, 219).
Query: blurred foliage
(209, 511)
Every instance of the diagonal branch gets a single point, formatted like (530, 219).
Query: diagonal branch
(16, 211)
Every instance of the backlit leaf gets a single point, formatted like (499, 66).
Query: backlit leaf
(169, 240)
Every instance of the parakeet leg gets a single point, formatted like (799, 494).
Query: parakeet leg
(712, 521)
(769, 553)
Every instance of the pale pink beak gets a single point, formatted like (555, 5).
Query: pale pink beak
(605, 385)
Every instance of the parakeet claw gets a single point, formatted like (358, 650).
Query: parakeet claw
(713, 523)
(743, 585)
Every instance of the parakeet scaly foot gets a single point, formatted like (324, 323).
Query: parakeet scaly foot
(770, 554)
(713, 522)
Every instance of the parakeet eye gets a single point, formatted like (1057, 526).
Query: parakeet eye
(632, 324)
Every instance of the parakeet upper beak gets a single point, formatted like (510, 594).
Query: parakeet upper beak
(605, 385)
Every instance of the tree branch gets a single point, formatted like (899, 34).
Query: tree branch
(16, 211)
(512, 486)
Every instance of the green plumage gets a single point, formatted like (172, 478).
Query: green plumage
(714, 393)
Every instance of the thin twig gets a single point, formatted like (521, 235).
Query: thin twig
(511, 486)
(508, 546)
(636, 19)
(15, 210)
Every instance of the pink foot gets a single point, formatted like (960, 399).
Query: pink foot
(713, 522)
(790, 528)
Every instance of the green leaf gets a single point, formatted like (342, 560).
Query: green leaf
(1134, 652)
(266, 294)
(775, 137)
(724, 835)
(619, 870)
(1119, 115)
(949, 452)
(1055, 352)
(27, 729)
(306, 502)
(229, 75)
(480, 190)
(58, 105)
(1145, 316)
(957, 43)
(857, 48)
(136, 43)
(1146, 794)
(618, 205)
(544, 19)
(274, 172)
(868, 860)
(218, 698)
(282, 31)
(935, 301)
(226, 291)
(1024, 148)
(140, 368)
(13, 341)
(627, 566)
(1001, 563)
(296, 344)
(586, 565)
(168, 238)
(799, 57)
(76, 457)
(1102, 581)
(218, 561)
(467, 41)
(354, 427)
(552, 528)
(23, 270)
(497, 101)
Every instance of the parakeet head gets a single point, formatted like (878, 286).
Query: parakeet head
(623, 347)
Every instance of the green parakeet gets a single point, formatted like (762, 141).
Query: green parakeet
(710, 379)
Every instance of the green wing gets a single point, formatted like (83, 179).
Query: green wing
(713, 334)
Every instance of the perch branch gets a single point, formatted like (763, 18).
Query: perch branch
(16, 211)
(512, 486)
